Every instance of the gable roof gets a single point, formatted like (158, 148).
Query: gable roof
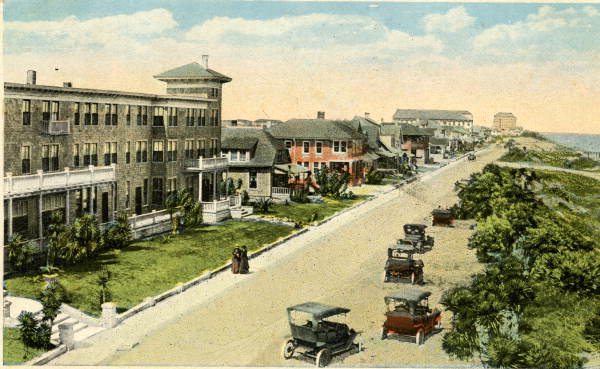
(315, 129)
(194, 71)
(262, 144)
(368, 127)
(433, 114)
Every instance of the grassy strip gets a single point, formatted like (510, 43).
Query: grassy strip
(148, 268)
(305, 211)
(15, 352)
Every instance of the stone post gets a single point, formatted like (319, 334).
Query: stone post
(66, 335)
(109, 315)
(7, 309)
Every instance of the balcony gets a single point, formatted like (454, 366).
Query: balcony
(56, 127)
(21, 186)
(205, 164)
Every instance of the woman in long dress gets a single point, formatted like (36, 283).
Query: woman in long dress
(244, 266)
(236, 261)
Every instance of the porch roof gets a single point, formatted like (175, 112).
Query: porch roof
(290, 168)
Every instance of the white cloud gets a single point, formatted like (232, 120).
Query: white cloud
(453, 20)
(97, 30)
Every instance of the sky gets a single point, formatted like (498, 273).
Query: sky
(291, 59)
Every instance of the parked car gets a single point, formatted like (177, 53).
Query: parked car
(416, 233)
(319, 333)
(472, 156)
(409, 317)
(442, 217)
(401, 267)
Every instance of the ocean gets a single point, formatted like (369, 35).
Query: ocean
(581, 142)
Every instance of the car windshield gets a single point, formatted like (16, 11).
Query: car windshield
(301, 318)
(399, 254)
(399, 306)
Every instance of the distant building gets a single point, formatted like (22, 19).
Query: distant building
(410, 139)
(505, 121)
(256, 124)
(454, 118)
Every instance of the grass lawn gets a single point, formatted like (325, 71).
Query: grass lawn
(148, 268)
(305, 211)
(15, 351)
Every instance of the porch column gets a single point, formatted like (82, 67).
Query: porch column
(40, 221)
(67, 207)
(215, 185)
(10, 217)
(200, 187)
(114, 202)
(90, 203)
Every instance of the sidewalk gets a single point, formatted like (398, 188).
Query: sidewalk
(17, 306)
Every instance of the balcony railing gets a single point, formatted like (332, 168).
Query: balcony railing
(281, 190)
(56, 127)
(25, 185)
(205, 164)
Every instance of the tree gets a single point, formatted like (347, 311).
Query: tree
(59, 237)
(190, 210)
(20, 254)
(85, 240)
(104, 293)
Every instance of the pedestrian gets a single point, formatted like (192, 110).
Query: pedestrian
(235, 261)
(244, 265)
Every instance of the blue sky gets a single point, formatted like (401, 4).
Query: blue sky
(540, 61)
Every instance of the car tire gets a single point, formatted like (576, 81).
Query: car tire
(384, 333)
(420, 338)
(287, 351)
(323, 358)
(412, 278)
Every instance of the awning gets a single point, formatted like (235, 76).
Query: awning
(289, 168)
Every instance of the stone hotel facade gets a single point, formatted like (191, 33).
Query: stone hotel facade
(102, 152)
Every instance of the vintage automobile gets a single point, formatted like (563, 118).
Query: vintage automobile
(471, 156)
(318, 333)
(408, 316)
(442, 217)
(416, 234)
(401, 267)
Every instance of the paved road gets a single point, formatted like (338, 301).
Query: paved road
(241, 319)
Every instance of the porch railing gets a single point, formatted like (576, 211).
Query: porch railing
(144, 220)
(206, 163)
(235, 201)
(215, 206)
(281, 190)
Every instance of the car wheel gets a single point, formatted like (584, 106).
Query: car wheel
(383, 333)
(420, 338)
(438, 324)
(288, 348)
(359, 346)
(323, 358)
(412, 278)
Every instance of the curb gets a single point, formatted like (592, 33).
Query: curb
(47, 357)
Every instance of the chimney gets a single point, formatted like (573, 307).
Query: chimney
(205, 61)
(31, 77)
(367, 115)
(67, 84)
(320, 115)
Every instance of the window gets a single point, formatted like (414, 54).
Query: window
(288, 144)
(45, 110)
(127, 194)
(157, 191)
(214, 146)
(172, 150)
(234, 155)
(213, 93)
(189, 149)
(76, 115)
(158, 151)
(76, 162)
(138, 116)
(49, 157)
(339, 146)
(127, 152)
(159, 113)
(26, 108)
(243, 155)
(54, 110)
(189, 184)
(110, 153)
(87, 114)
(305, 147)
(90, 154)
(94, 108)
(128, 115)
(141, 151)
(145, 192)
(172, 117)
(214, 117)
(25, 159)
(189, 117)
(202, 121)
(306, 164)
(319, 148)
(252, 181)
(171, 186)
(316, 167)
(110, 114)
(201, 148)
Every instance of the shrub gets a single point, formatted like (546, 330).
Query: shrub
(263, 205)
(20, 254)
(299, 195)
(29, 329)
(85, 240)
(374, 177)
(60, 236)
(118, 235)
(52, 298)
(245, 198)
(103, 292)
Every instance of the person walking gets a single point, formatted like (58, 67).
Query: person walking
(244, 265)
(236, 261)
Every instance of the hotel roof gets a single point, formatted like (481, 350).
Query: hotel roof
(433, 114)
(192, 71)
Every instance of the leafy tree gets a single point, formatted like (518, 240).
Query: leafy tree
(190, 210)
(59, 237)
(374, 177)
(118, 235)
(331, 183)
(20, 254)
(85, 240)
(299, 195)
(263, 205)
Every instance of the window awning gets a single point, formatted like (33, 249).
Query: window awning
(289, 168)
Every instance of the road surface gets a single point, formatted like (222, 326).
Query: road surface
(241, 320)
